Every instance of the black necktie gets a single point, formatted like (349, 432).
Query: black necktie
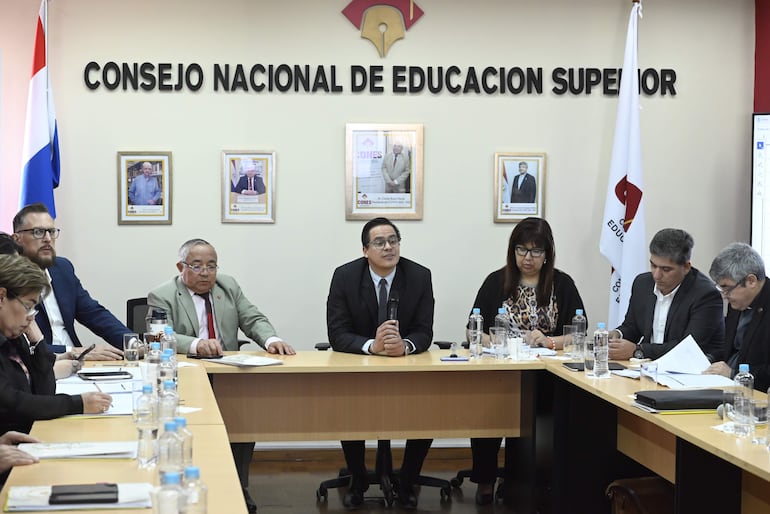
(740, 331)
(382, 312)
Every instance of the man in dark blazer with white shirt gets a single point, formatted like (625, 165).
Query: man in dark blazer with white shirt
(523, 186)
(34, 230)
(669, 303)
(381, 304)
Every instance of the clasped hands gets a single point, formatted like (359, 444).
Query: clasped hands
(387, 340)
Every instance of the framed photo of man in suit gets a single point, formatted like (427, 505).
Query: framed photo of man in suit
(383, 171)
(519, 186)
(248, 187)
(144, 188)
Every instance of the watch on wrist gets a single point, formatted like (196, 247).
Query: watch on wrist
(638, 353)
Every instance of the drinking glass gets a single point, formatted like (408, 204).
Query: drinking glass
(578, 340)
(497, 342)
(514, 341)
(743, 418)
(759, 410)
(568, 332)
(131, 346)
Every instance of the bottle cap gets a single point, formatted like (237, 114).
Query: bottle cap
(168, 330)
(578, 312)
(168, 351)
(601, 325)
(155, 346)
(180, 421)
(147, 388)
(168, 384)
(171, 477)
(743, 368)
(170, 426)
(501, 310)
(476, 310)
(192, 472)
(164, 357)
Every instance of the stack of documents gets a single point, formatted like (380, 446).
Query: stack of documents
(36, 498)
(85, 450)
(122, 391)
(245, 360)
(682, 367)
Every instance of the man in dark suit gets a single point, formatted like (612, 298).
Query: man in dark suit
(361, 294)
(669, 303)
(249, 183)
(34, 230)
(523, 188)
(739, 272)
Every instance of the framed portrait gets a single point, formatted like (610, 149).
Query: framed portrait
(383, 171)
(519, 186)
(144, 188)
(248, 187)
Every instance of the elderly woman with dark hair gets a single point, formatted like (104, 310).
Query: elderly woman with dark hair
(27, 383)
(536, 297)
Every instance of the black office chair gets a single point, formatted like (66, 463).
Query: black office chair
(383, 470)
(136, 312)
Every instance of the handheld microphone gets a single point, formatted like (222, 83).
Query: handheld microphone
(393, 308)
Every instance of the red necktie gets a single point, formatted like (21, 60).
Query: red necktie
(209, 316)
(251, 184)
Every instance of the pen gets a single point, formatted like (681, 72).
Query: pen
(694, 411)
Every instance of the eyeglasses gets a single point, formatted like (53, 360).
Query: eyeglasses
(725, 291)
(31, 311)
(39, 233)
(198, 268)
(380, 242)
(522, 251)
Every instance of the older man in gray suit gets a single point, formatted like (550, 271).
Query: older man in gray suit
(206, 310)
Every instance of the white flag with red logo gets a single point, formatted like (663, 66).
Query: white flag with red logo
(623, 240)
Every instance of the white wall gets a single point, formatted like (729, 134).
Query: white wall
(695, 145)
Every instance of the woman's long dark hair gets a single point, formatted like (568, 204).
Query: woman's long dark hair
(535, 231)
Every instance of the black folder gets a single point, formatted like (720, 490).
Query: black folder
(83, 493)
(680, 399)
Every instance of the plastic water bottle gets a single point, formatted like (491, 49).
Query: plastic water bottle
(187, 440)
(174, 364)
(475, 333)
(744, 381)
(169, 497)
(601, 351)
(502, 326)
(195, 491)
(743, 424)
(146, 415)
(168, 340)
(166, 369)
(168, 402)
(150, 366)
(580, 322)
(170, 449)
